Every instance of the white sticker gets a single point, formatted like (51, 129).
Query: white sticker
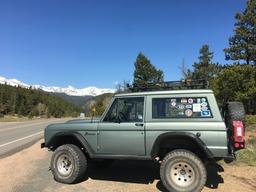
(204, 108)
(203, 100)
(196, 107)
(173, 104)
(181, 106)
(181, 113)
(204, 104)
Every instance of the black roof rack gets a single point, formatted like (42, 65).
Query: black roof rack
(171, 85)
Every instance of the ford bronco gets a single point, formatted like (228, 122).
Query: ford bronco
(181, 129)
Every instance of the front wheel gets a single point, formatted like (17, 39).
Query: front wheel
(182, 170)
(68, 164)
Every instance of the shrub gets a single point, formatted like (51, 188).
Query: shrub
(250, 119)
(248, 155)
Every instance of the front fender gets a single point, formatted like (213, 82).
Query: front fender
(61, 136)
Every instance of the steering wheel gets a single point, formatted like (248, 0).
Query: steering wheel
(122, 117)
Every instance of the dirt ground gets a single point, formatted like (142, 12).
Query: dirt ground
(27, 171)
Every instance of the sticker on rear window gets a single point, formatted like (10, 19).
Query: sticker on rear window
(205, 113)
(196, 107)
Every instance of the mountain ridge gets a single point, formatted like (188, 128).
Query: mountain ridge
(70, 90)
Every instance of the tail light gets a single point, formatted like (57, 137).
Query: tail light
(238, 130)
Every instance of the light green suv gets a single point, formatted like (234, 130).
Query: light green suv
(181, 129)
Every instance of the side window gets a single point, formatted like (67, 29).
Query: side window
(111, 115)
(126, 110)
(185, 107)
(131, 109)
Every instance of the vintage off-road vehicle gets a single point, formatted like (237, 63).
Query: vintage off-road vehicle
(181, 129)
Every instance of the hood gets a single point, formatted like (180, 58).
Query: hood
(73, 121)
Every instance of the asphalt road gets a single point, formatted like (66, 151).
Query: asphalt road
(15, 136)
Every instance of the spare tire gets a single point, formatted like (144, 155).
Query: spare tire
(236, 111)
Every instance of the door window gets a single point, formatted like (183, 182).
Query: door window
(126, 110)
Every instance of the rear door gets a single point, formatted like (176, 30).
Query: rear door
(121, 132)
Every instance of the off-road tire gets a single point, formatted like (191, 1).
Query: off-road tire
(236, 111)
(182, 170)
(77, 160)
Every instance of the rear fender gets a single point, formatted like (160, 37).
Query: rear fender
(182, 137)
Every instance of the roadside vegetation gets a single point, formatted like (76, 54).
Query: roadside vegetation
(13, 118)
(22, 102)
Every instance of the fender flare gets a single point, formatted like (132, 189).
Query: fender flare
(182, 135)
(76, 135)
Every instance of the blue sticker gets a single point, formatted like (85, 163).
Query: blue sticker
(205, 113)
(188, 106)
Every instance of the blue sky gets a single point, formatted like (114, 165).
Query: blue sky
(95, 42)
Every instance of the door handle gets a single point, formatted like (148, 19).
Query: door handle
(139, 124)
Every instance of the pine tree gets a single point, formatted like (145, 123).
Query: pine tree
(237, 83)
(242, 45)
(205, 69)
(185, 72)
(30, 102)
(145, 72)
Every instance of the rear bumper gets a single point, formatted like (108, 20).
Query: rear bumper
(230, 158)
(42, 145)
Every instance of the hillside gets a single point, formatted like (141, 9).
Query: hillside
(30, 102)
(86, 103)
(99, 103)
(76, 100)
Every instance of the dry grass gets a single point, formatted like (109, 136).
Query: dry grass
(13, 119)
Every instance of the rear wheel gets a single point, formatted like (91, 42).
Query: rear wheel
(68, 164)
(182, 170)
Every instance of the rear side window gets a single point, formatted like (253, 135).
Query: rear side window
(181, 107)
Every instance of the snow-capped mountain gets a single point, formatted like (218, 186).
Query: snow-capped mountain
(92, 91)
